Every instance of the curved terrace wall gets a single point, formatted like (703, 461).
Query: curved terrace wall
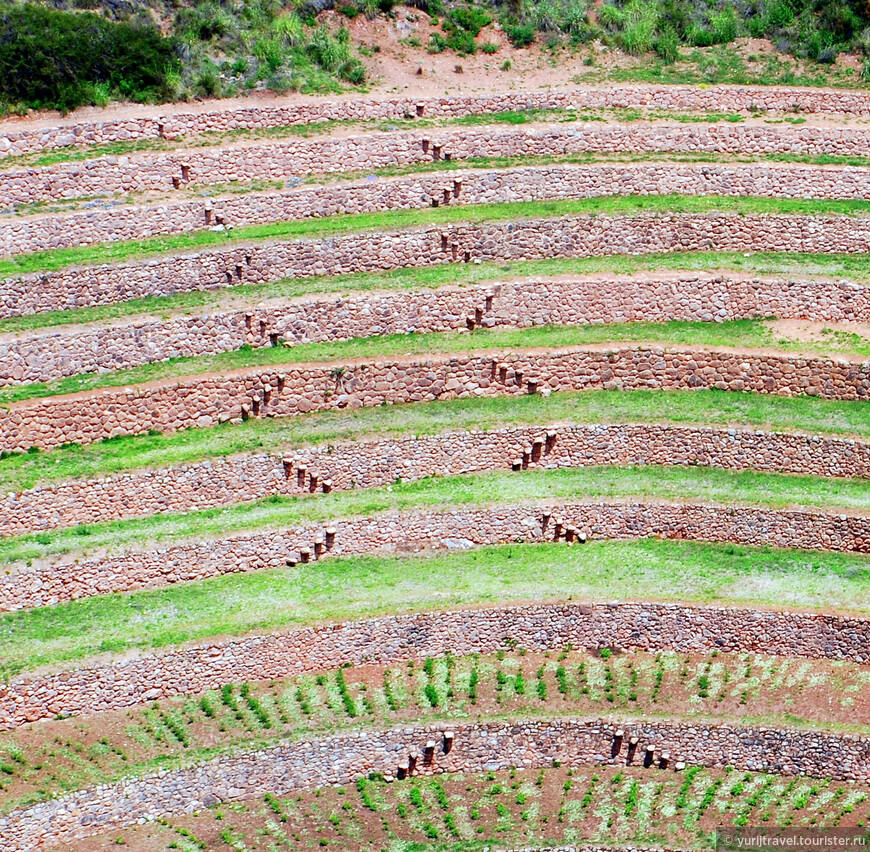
(342, 758)
(368, 464)
(66, 133)
(163, 172)
(390, 639)
(30, 586)
(50, 354)
(201, 401)
(570, 236)
(554, 182)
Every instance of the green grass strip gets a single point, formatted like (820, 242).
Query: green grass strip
(659, 483)
(745, 334)
(361, 587)
(700, 408)
(795, 264)
(55, 259)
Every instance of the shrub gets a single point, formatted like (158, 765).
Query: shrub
(462, 42)
(437, 43)
(699, 36)
(611, 17)
(290, 29)
(50, 59)
(329, 51)
(208, 84)
(353, 72)
(723, 26)
(641, 19)
(203, 22)
(471, 19)
(779, 14)
(519, 35)
(667, 46)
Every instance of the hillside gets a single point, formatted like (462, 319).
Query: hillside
(72, 53)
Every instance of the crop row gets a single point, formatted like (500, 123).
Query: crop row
(519, 808)
(54, 757)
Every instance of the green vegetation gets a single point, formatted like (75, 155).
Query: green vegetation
(358, 587)
(234, 45)
(61, 60)
(812, 29)
(25, 470)
(275, 512)
(530, 809)
(218, 48)
(853, 266)
(742, 334)
(173, 732)
(64, 59)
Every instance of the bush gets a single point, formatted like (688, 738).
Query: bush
(329, 51)
(471, 19)
(667, 46)
(354, 72)
(462, 42)
(462, 26)
(700, 37)
(208, 84)
(641, 19)
(724, 26)
(203, 22)
(437, 43)
(51, 59)
(519, 35)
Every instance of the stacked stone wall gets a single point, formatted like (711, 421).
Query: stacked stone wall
(18, 140)
(570, 236)
(123, 222)
(273, 161)
(475, 747)
(48, 354)
(202, 401)
(370, 464)
(31, 586)
(384, 641)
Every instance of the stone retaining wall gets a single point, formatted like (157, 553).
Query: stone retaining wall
(474, 747)
(369, 464)
(384, 641)
(67, 133)
(124, 222)
(271, 161)
(570, 236)
(49, 354)
(31, 586)
(280, 391)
